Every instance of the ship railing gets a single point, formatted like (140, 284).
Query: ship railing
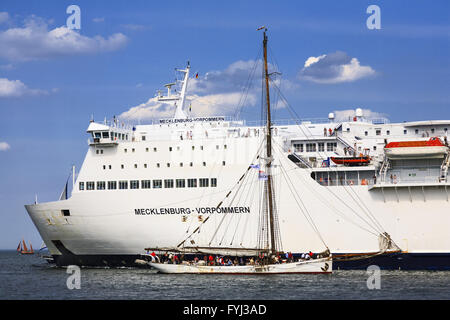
(376, 182)
(341, 181)
(102, 142)
(397, 181)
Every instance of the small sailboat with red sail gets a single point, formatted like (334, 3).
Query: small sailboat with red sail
(23, 249)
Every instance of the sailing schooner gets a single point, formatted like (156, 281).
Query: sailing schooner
(268, 251)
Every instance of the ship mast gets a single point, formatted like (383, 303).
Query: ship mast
(269, 158)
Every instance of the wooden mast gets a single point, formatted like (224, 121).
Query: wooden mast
(269, 152)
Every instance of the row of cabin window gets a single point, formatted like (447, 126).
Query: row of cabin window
(311, 147)
(105, 135)
(125, 150)
(148, 184)
(158, 165)
(388, 132)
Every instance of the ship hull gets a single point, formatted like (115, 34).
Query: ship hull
(395, 261)
(112, 227)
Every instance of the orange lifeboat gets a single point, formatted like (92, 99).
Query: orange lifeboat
(424, 149)
(352, 161)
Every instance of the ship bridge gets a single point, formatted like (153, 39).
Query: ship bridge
(104, 135)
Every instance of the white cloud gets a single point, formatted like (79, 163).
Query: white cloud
(335, 67)
(35, 41)
(312, 60)
(16, 88)
(221, 92)
(4, 17)
(4, 146)
(149, 110)
(205, 105)
(348, 114)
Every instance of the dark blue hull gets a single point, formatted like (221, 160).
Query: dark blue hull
(392, 261)
(402, 261)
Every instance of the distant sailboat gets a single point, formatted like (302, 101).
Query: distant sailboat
(22, 248)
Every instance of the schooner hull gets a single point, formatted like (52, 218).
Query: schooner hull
(307, 267)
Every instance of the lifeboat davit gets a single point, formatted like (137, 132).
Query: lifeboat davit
(425, 149)
(352, 161)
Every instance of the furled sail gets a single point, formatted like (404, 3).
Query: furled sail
(225, 251)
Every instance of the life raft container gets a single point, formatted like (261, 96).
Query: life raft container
(424, 149)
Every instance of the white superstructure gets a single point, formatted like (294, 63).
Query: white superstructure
(149, 185)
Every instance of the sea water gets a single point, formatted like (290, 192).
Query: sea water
(31, 277)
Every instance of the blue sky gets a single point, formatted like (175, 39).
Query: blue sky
(126, 50)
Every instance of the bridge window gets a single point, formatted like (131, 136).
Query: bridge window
(105, 135)
(112, 185)
(378, 132)
(366, 133)
(213, 182)
(405, 131)
(143, 138)
(388, 132)
(90, 185)
(81, 186)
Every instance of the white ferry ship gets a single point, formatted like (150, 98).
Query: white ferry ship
(149, 185)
